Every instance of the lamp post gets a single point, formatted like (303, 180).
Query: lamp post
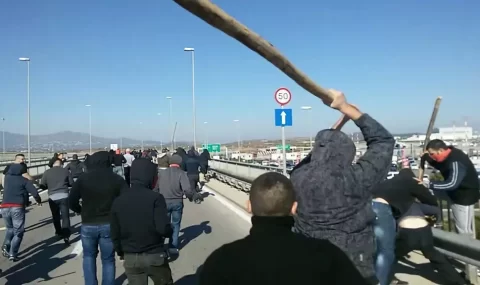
(192, 51)
(171, 123)
(206, 133)
(309, 110)
(141, 123)
(90, 124)
(3, 134)
(161, 140)
(27, 60)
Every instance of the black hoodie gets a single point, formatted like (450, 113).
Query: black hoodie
(97, 188)
(183, 155)
(204, 158)
(139, 221)
(193, 163)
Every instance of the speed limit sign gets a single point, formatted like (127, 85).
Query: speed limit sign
(283, 96)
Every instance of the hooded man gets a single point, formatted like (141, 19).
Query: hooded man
(334, 196)
(183, 155)
(139, 226)
(75, 167)
(204, 158)
(193, 169)
(97, 189)
(15, 199)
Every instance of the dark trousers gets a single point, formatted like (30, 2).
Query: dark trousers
(126, 172)
(194, 179)
(60, 216)
(422, 239)
(140, 266)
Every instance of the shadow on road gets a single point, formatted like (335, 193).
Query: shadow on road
(42, 223)
(192, 232)
(425, 270)
(191, 279)
(37, 261)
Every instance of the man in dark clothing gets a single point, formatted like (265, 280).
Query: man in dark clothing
(55, 157)
(15, 199)
(460, 184)
(334, 196)
(204, 158)
(193, 169)
(162, 159)
(75, 167)
(118, 161)
(97, 188)
(173, 183)
(181, 152)
(19, 159)
(263, 256)
(139, 226)
(393, 195)
(57, 180)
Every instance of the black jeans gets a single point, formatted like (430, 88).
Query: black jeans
(126, 172)
(140, 266)
(422, 239)
(60, 216)
(194, 179)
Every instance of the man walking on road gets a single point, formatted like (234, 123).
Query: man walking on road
(57, 180)
(126, 167)
(15, 199)
(139, 226)
(173, 184)
(460, 185)
(75, 167)
(97, 189)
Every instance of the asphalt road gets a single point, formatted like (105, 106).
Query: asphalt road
(46, 260)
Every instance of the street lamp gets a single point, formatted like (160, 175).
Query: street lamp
(3, 134)
(141, 123)
(161, 141)
(309, 109)
(171, 123)
(26, 59)
(90, 124)
(238, 136)
(206, 133)
(192, 50)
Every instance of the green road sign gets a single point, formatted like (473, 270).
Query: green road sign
(287, 147)
(212, 147)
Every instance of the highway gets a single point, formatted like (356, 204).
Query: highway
(220, 219)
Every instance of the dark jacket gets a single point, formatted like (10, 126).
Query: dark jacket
(139, 221)
(17, 187)
(264, 258)
(402, 190)
(173, 183)
(204, 158)
(334, 195)
(57, 180)
(460, 177)
(118, 159)
(193, 163)
(183, 155)
(163, 160)
(76, 168)
(97, 188)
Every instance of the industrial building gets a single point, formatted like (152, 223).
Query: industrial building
(446, 134)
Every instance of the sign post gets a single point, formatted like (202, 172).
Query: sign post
(283, 117)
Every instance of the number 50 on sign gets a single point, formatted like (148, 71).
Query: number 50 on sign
(283, 96)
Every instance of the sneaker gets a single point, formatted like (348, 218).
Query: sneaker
(12, 258)
(5, 251)
(173, 251)
(66, 241)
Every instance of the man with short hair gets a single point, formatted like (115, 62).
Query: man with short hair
(460, 184)
(19, 159)
(75, 167)
(126, 166)
(57, 180)
(264, 256)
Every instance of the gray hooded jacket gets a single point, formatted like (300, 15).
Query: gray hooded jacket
(334, 196)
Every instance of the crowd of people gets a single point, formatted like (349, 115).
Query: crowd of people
(331, 222)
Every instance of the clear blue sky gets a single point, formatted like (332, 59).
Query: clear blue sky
(392, 58)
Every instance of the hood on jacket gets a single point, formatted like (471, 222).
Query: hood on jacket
(333, 147)
(191, 153)
(205, 154)
(143, 173)
(15, 169)
(181, 151)
(99, 160)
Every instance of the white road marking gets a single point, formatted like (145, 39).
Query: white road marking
(230, 205)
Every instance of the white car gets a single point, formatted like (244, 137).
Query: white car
(413, 166)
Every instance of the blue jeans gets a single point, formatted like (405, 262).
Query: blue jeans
(15, 228)
(175, 212)
(385, 232)
(94, 236)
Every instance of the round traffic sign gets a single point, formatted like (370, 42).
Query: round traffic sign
(283, 96)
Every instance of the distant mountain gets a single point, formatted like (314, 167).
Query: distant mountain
(70, 141)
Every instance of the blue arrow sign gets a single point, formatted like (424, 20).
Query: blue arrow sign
(283, 117)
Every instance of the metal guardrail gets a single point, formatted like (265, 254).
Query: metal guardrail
(460, 247)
